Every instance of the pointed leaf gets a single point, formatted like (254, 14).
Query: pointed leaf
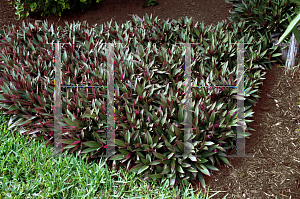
(207, 154)
(173, 162)
(118, 157)
(180, 145)
(88, 116)
(155, 176)
(136, 168)
(224, 160)
(89, 150)
(179, 169)
(192, 170)
(290, 28)
(156, 162)
(172, 179)
(192, 157)
(166, 170)
(159, 155)
(70, 123)
(185, 165)
(201, 179)
(120, 142)
(210, 167)
(180, 115)
(203, 169)
(149, 139)
(143, 168)
(67, 141)
(92, 144)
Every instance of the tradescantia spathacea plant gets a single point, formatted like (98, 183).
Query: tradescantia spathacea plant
(292, 27)
(149, 90)
(292, 56)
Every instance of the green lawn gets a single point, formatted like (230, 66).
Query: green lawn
(27, 170)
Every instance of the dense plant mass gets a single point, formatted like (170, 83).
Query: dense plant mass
(264, 16)
(56, 7)
(149, 90)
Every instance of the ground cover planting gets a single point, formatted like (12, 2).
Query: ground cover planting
(148, 133)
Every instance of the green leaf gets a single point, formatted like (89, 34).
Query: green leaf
(141, 50)
(276, 55)
(203, 169)
(197, 31)
(89, 150)
(167, 170)
(54, 10)
(173, 163)
(69, 122)
(210, 167)
(6, 90)
(170, 155)
(156, 162)
(192, 170)
(26, 121)
(102, 117)
(139, 89)
(88, 116)
(201, 160)
(155, 176)
(143, 168)
(205, 155)
(149, 139)
(180, 145)
(92, 144)
(71, 115)
(159, 155)
(248, 114)
(127, 109)
(197, 111)
(156, 140)
(120, 142)
(178, 133)
(68, 141)
(168, 144)
(118, 157)
(69, 146)
(209, 143)
(297, 34)
(180, 115)
(185, 165)
(136, 168)
(164, 119)
(228, 117)
(289, 29)
(140, 155)
(127, 137)
(205, 44)
(145, 161)
(224, 160)
(192, 157)
(15, 124)
(179, 169)
(201, 179)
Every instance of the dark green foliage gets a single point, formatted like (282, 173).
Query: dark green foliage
(149, 87)
(263, 17)
(48, 7)
(150, 3)
(56, 7)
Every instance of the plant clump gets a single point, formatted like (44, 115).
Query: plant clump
(149, 90)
